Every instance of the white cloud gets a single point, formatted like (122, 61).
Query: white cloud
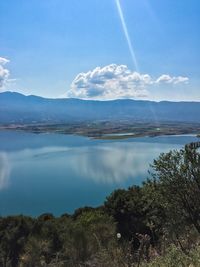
(3, 60)
(165, 78)
(4, 73)
(116, 81)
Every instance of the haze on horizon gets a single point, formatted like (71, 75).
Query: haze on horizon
(102, 50)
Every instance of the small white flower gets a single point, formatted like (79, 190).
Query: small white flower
(118, 236)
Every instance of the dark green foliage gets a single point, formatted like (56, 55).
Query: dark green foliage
(46, 239)
(14, 232)
(128, 208)
(176, 186)
(79, 211)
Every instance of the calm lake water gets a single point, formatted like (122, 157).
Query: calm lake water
(59, 173)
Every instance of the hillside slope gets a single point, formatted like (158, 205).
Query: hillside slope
(17, 108)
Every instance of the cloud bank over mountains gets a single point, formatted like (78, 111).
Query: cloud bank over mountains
(107, 83)
(4, 73)
(117, 81)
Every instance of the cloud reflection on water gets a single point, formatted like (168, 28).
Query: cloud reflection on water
(105, 163)
(4, 170)
(114, 164)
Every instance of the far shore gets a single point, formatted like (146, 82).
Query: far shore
(110, 130)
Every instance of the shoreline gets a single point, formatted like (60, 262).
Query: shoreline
(104, 134)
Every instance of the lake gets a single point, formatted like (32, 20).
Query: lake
(58, 173)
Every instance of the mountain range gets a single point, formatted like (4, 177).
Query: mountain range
(16, 108)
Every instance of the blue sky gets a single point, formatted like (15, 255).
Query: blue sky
(49, 42)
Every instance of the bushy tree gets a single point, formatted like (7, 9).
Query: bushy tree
(128, 209)
(176, 182)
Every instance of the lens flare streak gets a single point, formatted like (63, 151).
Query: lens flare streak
(121, 15)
